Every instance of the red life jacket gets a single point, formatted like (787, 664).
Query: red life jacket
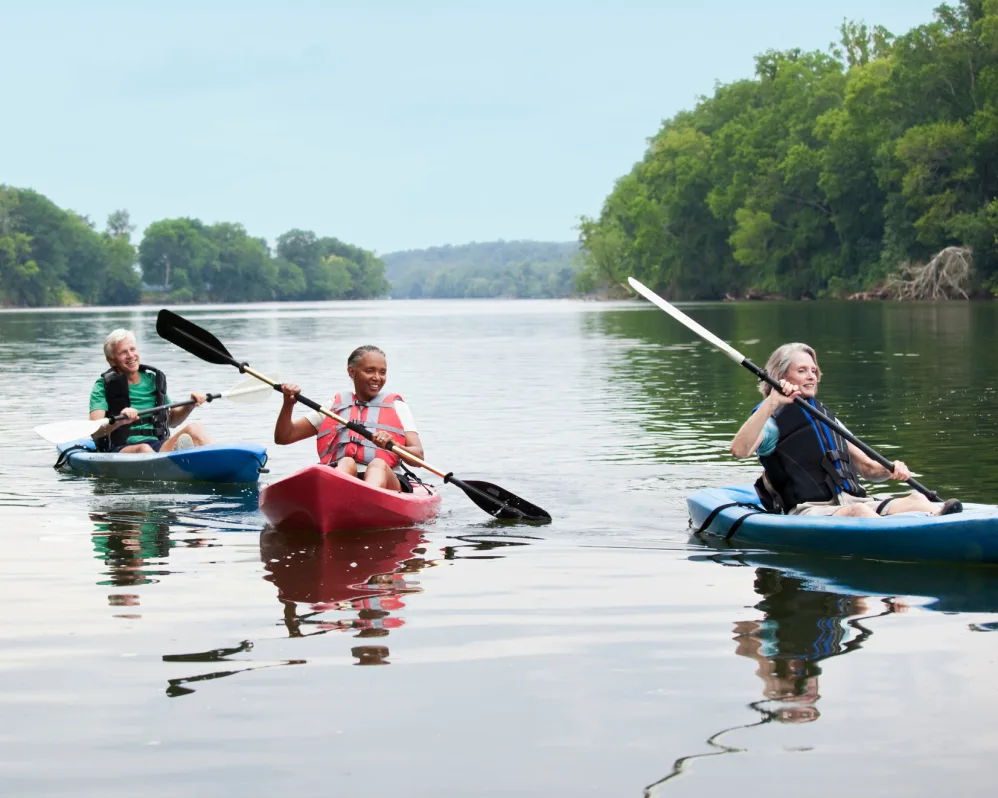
(334, 441)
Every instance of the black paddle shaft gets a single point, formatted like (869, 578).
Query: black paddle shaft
(763, 375)
(151, 410)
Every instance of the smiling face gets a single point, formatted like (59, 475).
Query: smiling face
(125, 357)
(369, 375)
(803, 373)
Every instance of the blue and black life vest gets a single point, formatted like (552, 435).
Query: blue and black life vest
(811, 462)
(118, 398)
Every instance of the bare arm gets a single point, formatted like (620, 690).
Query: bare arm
(748, 438)
(96, 415)
(178, 415)
(870, 469)
(288, 430)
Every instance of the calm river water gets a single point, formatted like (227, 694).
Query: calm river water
(160, 642)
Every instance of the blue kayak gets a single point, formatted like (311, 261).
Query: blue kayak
(217, 462)
(970, 536)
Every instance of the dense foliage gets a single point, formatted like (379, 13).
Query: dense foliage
(49, 256)
(523, 269)
(822, 173)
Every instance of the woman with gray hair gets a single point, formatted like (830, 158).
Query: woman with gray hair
(809, 469)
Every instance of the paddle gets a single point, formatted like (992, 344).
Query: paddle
(494, 500)
(737, 356)
(62, 431)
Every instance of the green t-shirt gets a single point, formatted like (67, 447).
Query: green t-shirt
(141, 396)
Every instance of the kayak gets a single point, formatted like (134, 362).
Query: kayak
(216, 462)
(322, 499)
(970, 536)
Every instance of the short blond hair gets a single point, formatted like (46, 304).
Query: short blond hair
(780, 361)
(114, 338)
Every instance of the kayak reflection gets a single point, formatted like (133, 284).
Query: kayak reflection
(364, 574)
(132, 547)
(801, 626)
(816, 608)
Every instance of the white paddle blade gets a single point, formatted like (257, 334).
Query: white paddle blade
(63, 431)
(252, 390)
(681, 317)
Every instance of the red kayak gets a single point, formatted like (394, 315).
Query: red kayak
(322, 499)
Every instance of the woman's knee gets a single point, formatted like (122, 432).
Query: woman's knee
(348, 465)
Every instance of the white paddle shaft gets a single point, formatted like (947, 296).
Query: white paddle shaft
(681, 317)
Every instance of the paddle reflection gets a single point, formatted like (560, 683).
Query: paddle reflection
(177, 687)
(365, 575)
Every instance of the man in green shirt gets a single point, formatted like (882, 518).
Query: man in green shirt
(129, 387)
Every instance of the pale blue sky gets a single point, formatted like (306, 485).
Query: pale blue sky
(390, 125)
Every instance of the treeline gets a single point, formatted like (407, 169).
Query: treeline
(820, 175)
(509, 269)
(50, 256)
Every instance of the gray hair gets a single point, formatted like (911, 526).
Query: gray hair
(360, 351)
(113, 339)
(780, 361)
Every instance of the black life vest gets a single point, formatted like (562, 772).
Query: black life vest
(811, 462)
(118, 398)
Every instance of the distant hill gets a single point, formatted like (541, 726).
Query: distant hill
(514, 269)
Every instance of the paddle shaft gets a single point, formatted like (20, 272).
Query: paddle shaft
(761, 374)
(186, 403)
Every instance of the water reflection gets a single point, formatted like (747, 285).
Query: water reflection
(177, 687)
(366, 575)
(816, 608)
(132, 547)
(801, 626)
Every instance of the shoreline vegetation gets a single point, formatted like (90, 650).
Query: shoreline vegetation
(868, 172)
(51, 257)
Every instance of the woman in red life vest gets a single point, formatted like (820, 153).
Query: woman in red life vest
(385, 414)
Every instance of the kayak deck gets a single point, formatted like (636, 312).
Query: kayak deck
(322, 499)
(216, 462)
(970, 536)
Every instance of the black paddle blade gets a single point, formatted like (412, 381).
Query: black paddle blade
(499, 502)
(196, 340)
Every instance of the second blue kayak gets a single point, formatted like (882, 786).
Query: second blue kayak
(216, 462)
(970, 536)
